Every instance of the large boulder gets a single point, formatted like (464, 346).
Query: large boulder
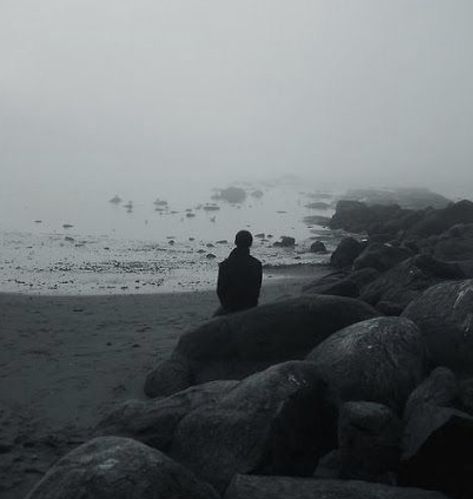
(437, 447)
(378, 360)
(369, 438)
(153, 422)
(232, 347)
(444, 314)
(119, 468)
(437, 221)
(407, 280)
(381, 257)
(346, 252)
(281, 487)
(280, 420)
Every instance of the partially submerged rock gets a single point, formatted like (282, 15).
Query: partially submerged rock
(234, 346)
(346, 252)
(119, 468)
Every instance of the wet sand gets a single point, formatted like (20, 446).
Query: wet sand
(65, 360)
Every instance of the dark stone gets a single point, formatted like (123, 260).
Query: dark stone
(444, 314)
(456, 244)
(318, 205)
(465, 396)
(341, 287)
(440, 388)
(357, 217)
(407, 280)
(281, 487)
(346, 252)
(369, 438)
(381, 257)
(119, 468)
(389, 308)
(154, 422)
(285, 242)
(438, 221)
(437, 450)
(317, 220)
(276, 421)
(378, 360)
(318, 247)
(329, 466)
(232, 347)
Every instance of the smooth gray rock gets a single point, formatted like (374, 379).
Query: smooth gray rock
(279, 421)
(378, 360)
(153, 422)
(119, 468)
(444, 314)
(281, 487)
(408, 280)
(237, 345)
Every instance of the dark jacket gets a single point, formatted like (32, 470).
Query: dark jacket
(239, 281)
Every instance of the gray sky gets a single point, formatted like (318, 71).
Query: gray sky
(375, 91)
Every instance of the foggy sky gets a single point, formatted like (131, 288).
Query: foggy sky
(364, 91)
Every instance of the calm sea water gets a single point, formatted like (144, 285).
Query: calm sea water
(74, 241)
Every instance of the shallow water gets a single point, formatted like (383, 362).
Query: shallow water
(111, 249)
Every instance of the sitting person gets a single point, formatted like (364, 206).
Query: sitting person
(239, 277)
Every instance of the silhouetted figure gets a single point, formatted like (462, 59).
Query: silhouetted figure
(239, 277)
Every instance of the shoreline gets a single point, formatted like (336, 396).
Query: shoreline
(66, 360)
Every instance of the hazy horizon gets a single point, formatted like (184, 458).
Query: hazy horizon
(108, 96)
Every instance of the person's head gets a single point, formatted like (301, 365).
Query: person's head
(243, 239)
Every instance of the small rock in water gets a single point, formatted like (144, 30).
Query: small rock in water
(210, 245)
(190, 215)
(70, 239)
(171, 242)
(38, 221)
(222, 241)
(67, 226)
(285, 242)
(116, 200)
(210, 256)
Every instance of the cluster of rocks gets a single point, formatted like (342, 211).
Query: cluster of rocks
(403, 252)
(362, 387)
(314, 396)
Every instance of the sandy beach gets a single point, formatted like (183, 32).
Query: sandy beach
(64, 361)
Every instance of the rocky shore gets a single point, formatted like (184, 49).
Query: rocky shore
(360, 387)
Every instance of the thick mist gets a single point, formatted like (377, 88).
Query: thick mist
(102, 97)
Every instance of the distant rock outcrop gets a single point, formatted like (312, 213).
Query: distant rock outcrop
(231, 195)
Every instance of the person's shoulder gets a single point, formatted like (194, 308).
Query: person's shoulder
(255, 261)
